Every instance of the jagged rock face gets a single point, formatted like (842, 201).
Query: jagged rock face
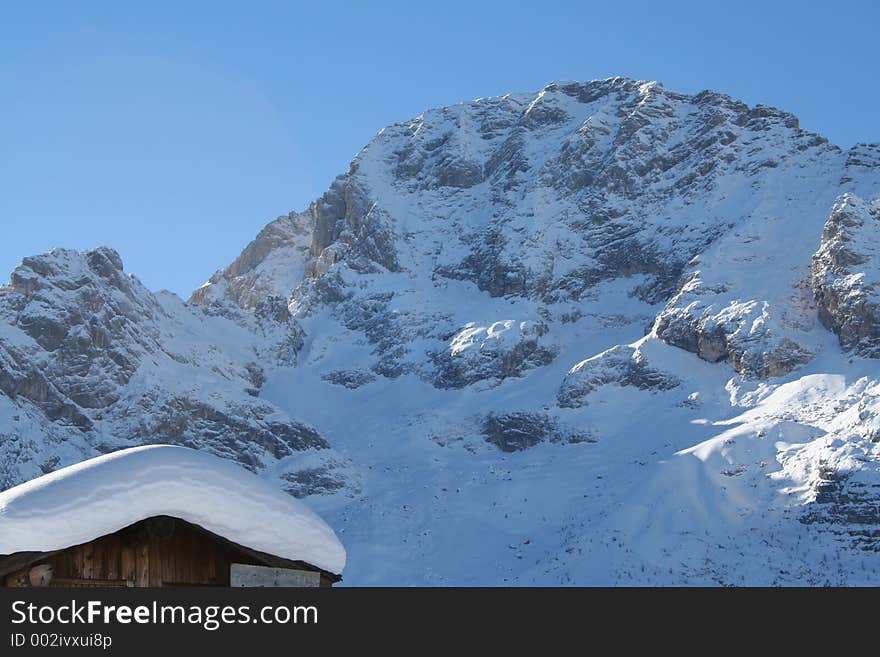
(86, 347)
(545, 196)
(728, 307)
(270, 266)
(846, 274)
(738, 333)
(574, 337)
(81, 322)
(561, 170)
(347, 223)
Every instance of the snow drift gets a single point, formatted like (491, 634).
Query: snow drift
(99, 496)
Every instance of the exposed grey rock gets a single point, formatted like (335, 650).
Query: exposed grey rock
(89, 326)
(547, 196)
(312, 481)
(496, 352)
(862, 161)
(698, 330)
(348, 224)
(621, 365)
(271, 265)
(351, 379)
(239, 432)
(520, 430)
(322, 473)
(847, 506)
(846, 273)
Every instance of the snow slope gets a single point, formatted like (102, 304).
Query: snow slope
(102, 495)
(597, 334)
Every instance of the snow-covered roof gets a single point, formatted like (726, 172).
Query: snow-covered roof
(99, 496)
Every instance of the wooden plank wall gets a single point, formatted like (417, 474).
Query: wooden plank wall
(187, 556)
(159, 551)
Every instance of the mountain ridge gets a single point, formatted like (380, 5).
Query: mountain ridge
(603, 333)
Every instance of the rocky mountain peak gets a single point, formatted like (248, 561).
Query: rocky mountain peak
(107, 363)
(546, 196)
(583, 335)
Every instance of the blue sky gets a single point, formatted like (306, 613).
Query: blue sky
(173, 131)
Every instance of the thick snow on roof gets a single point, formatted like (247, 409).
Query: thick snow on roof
(102, 495)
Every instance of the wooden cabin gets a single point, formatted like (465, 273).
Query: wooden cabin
(158, 551)
(158, 516)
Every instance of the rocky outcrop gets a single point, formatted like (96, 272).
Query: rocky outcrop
(738, 333)
(83, 327)
(520, 430)
(844, 479)
(271, 265)
(350, 379)
(350, 224)
(862, 166)
(243, 432)
(846, 275)
(846, 506)
(492, 352)
(621, 365)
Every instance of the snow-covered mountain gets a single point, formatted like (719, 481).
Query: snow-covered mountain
(91, 361)
(605, 333)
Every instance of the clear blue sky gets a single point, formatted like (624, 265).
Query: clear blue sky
(173, 131)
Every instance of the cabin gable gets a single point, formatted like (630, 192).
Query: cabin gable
(155, 552)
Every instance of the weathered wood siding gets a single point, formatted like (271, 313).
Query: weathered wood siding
(155, 552)
(140, 556)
